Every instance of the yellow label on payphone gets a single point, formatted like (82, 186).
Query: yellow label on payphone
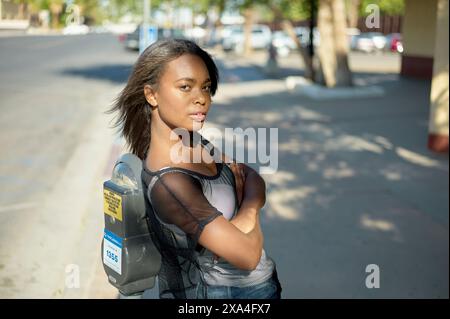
(112, 204)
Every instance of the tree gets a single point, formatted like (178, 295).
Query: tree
(247, 7)
(54, 6)
(119, 8)
(248, 13)
(90, 10)
(22, 8)
(353, 9)
(284, 13)
(56, 9)
(333, 70)
(333, 49)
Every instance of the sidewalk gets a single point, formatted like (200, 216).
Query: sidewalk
(356, 185)
(61, 238)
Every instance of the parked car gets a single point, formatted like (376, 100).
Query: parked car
(131, 40)
(261, 37)
(369, 42)
(394, 42)
(378, 39)
(226, 31)
(196, 34)
(303, 34)
(283, 43)
(362, 43)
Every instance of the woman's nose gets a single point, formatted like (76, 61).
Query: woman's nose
(200, 97)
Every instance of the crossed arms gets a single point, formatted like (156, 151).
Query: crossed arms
(240, 240)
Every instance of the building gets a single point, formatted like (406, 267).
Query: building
(426, 56)
(10, 10)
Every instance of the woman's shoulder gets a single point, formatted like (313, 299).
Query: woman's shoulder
(178, 171)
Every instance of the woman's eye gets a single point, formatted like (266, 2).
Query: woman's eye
(207, 88)
(185, 87)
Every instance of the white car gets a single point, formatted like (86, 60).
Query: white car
(369, 42)
(76, 29)
(261, 37)
(283, 43)
(379, 40)
(303, 35)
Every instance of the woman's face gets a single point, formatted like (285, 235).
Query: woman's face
(183, 95)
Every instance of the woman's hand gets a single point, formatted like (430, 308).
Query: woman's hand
(239, 177)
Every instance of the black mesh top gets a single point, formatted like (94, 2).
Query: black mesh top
(179, 204)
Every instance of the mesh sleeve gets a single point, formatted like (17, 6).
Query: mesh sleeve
(178, 199)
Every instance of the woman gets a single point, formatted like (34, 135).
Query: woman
(204, 215)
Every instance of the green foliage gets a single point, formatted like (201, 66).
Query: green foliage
(36, 5)
(387, 7)
(91, 10)
(295, 10)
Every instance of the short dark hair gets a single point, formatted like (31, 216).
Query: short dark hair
(134, 112)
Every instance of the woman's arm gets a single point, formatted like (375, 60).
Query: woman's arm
(253, 189)
(243, 250)
(254, 197)
(178, 199)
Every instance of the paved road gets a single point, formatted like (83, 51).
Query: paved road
(48, 89)
(53, 92)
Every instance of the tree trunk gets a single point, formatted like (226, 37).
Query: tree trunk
(221, 9)
(288, 27)
(333, 49)
(22, 10)
(248, 16)
(218, 25)
(353, 13)
(341, 41)
(55, 9)
(307, 59)
(326, 48)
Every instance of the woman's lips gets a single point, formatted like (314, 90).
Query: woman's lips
(199, 117)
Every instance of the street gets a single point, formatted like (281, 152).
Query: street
(355, 183)
(54, 91)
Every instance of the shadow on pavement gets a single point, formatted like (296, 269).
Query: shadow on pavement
(113, 73)
(356, 185)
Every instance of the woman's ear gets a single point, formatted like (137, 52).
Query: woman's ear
(150, 95)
